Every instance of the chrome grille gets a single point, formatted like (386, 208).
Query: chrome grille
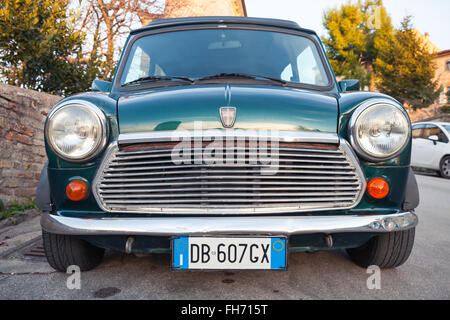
(142, 178)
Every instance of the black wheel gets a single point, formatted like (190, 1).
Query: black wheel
(388, 250)
(445, 167)
(63, 251)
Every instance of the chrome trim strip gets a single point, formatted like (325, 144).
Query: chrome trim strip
(287, 225)
(98, 175)
(144, 154)
(351, 156)
(287, 136)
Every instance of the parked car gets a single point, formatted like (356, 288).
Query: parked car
(431, 147)
(228, 143)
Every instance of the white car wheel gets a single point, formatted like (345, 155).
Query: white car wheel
(445, 167)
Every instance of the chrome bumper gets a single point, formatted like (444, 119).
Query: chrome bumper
(280, 225)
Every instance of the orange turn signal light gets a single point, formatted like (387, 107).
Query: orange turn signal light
(77, 190)
(378, 188)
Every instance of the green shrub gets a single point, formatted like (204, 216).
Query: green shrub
(446, 109)
(15, 208)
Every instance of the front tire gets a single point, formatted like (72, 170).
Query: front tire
(445, 167)
(388, 250)
(63, 251)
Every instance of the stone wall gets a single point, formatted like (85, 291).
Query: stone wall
(431, 113)
(22, 153)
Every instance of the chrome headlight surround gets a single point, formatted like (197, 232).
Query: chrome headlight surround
(365, 107)
(98, 117)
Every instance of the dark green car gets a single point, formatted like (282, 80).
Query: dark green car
(228, 143)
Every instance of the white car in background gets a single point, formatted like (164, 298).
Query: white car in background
(431, 146)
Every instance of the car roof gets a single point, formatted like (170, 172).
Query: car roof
(437, 123)
(431, 122)
(171, 22)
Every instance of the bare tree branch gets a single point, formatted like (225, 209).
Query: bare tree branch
(106, 22)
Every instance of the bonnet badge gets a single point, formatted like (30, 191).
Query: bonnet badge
(228, 116)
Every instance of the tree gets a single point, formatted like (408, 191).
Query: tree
(353, 30)
(107, 22)
(39, 48)
(405, 69)
(378, 27)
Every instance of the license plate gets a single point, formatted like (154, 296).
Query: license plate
(218, 253)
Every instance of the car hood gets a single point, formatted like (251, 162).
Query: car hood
(257, 108)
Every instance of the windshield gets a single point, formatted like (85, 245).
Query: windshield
(207, 52)
(447, 127)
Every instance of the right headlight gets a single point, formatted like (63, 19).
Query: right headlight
(76, 130)
(379, 129)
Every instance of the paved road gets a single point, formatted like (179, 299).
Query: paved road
(322, 275)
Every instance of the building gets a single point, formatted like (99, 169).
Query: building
(424, 38)
(442, 60)
(193, 8)
(442, 75)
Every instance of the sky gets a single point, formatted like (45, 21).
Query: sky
(432, 16)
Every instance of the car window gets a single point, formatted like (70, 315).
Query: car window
(417, 131)
(447, 127)
(430, 130)
(139, 66)
(206, 52)
(309, 70)
(306, 67)
(442, 136)
(433, 130)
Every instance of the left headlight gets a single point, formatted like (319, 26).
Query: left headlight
(379, 129)
(76, 130)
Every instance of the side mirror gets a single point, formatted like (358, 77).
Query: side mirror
(434, 138)
(349, 85)
(100, 85)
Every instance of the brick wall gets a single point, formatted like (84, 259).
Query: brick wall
(22, 153)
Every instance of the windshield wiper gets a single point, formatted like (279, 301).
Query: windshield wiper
(241, 75)
(158, 78)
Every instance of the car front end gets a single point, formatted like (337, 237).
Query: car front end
(209, 141)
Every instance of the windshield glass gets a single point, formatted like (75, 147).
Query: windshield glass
(206, 52)
(447, 127)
